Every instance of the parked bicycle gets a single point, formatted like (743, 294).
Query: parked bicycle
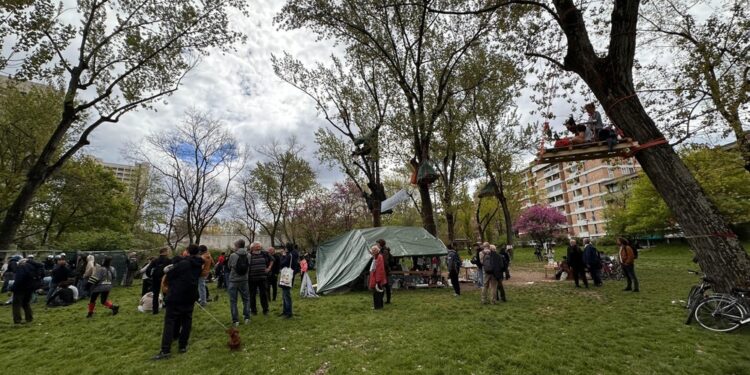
(697, 295)
(724, 312)
(611, 268)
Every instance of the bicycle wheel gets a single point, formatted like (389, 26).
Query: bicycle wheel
(694, 299)
(691, 297)
(720, 314)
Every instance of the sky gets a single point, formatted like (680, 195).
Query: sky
(241, 89)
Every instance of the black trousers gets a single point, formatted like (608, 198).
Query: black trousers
(256, 286)
(178, 318)
(377, 299)
(156, 289)
(454, 280)
(22, 301)
(272, 287)
(500, 290)
(629, 272)
(387, 291)
(145, 287)
(580, 273)
(596, 275)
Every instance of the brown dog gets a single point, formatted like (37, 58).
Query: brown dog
(234, 339)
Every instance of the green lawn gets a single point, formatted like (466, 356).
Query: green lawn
(545, 328)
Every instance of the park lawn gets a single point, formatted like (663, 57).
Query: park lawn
(545, 328)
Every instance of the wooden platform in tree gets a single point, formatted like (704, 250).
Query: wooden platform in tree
(585, 151)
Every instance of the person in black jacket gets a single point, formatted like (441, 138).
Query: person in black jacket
(182, 293)
(24, 284)
(156, 271)
(273, 276)
(575, 260)
(60, 273)
(593, 261)
(506, 256)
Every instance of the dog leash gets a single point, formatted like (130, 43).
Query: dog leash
(213, 317)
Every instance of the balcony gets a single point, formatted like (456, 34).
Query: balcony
(552, 183)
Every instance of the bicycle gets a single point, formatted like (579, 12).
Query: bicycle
(724, 312)
(696, 295)
(611, 270)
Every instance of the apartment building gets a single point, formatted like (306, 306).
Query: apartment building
(126, 173)
(578, 190)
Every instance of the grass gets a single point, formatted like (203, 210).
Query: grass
(545, 328)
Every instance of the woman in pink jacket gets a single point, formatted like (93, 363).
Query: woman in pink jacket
(377, 277)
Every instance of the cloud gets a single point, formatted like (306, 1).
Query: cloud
(241, 88)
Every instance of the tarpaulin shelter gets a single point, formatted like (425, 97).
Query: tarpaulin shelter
(342, 259)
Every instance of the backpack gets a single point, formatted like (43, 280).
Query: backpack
(501, 261)
(635, 248)
(243, 265)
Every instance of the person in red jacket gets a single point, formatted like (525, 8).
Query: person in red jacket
(377, 277)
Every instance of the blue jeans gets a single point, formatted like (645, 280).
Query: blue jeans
(232, 289)
(202, 290)
(286, 299)
(51, 290)
(480, 278)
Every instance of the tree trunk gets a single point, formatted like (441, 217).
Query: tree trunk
(16, 212)
(450, 220)
(376, 223)
(500, 196)
(719, 252)
(428, 218)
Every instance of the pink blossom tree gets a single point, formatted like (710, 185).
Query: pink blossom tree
(540, 222)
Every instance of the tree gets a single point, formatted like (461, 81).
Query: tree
(706, 78)
(609, 76)
(356, 104)
(279, 183)
(421, 51)
(199, 159)
(541, 223)
(642, 211)
(127, 55)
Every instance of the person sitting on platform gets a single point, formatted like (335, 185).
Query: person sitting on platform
(595, 129)
(579, 134)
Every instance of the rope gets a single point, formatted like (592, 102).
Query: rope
(649, 144)
(617, 101)
(213, 317)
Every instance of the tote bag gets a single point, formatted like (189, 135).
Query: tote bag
(287, 274)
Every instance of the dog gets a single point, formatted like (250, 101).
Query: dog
(234, 339)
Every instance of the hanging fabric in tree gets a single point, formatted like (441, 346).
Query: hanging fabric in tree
(427, 173)
(488, 190)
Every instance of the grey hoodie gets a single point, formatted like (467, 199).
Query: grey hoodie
(233, 276)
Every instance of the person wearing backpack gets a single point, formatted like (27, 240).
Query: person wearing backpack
(593, 261)
(454, 266)
(627, 259)
(101, 284)
(489, 289)
(239, 265)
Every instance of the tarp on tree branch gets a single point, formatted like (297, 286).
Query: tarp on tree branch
(488, 190)
(342, 259)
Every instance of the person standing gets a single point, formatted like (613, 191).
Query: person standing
(273, 275)
(131, 267)
(260, 265)
(506, 263)
(454, 267)
(385, 251)
(575, 260)
(220, 270)
(288, 259)
(593, 261)
(377, 277)
(104, 276)
(208, 261)
(156, 270)
(238, 265)
(146, 277)
(23, 287)
(627, 259)
(182, 293)
(489, 289)
(476, 260)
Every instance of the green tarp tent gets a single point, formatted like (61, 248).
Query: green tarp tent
(342, 259)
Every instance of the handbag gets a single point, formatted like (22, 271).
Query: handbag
(286, 276)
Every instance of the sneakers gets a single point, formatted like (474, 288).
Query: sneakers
(89, 315)
(115, 309)
(182, 350)
(247, 321)
(237, 324)
(161, 355)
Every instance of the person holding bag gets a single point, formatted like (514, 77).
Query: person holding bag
(289, 260)
(377, 277)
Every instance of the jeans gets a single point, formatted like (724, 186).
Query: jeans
(256, 286)
(286, 300)
(454, 280)
(242, 288)
(51, 290)
(178, 318)
(629, 271)
(480, 278)
(22, 301)
(202, 291)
